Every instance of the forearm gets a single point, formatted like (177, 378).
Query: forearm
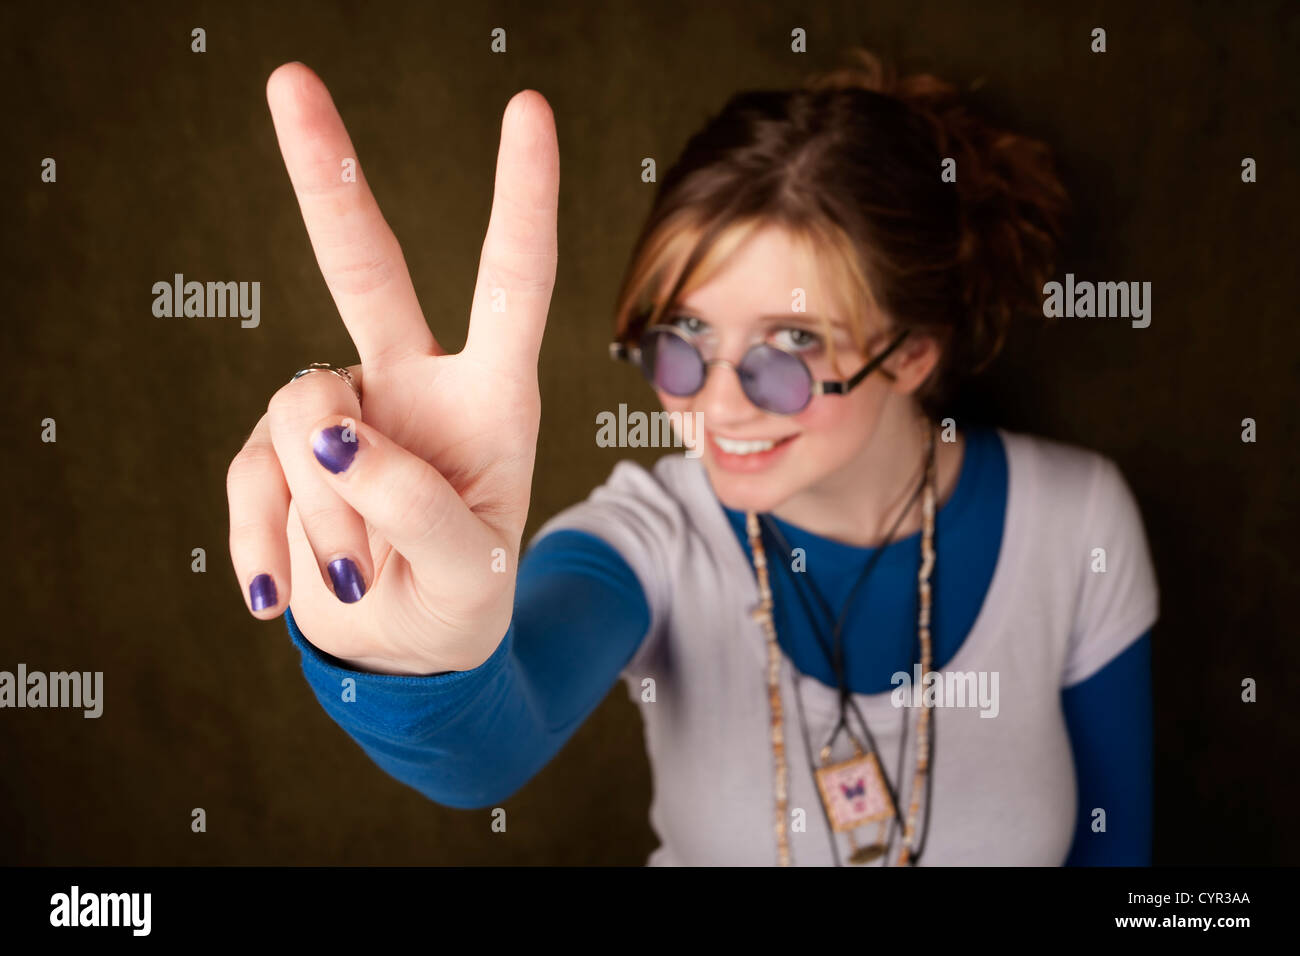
(1109, 717)
(472, 738)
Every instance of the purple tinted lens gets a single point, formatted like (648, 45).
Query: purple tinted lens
(775, 380)
(671, 363)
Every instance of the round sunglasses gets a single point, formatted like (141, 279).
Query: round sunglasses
(773, 378)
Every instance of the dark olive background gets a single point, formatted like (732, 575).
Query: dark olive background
(167, 162)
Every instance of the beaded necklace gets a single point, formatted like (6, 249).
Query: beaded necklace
(854, 791)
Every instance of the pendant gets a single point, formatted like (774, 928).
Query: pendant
(865, 854)
(853, 793)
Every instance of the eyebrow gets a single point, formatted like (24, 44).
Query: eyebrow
(803, 318)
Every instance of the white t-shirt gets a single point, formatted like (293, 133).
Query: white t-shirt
(1003, 787)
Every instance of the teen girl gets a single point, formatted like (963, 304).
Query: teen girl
(858, 632)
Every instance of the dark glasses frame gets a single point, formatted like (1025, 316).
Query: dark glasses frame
(632, 353)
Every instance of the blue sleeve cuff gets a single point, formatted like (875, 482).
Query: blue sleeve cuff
(398, 707)
(470, 739)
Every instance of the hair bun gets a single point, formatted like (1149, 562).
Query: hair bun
(1013, 204)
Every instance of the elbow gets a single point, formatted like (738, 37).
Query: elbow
(487, 796)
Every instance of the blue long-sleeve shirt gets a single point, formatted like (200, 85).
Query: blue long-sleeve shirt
(471, 739)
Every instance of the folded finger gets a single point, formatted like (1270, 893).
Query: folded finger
(408, 502)
(336, 533)
(258, 499)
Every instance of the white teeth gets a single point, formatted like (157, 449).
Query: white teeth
(733, 447)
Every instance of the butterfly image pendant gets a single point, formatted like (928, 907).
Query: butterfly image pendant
(854, 792)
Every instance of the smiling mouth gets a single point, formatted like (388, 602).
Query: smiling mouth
(735, 446)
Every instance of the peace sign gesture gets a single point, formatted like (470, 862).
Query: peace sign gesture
(393, 524)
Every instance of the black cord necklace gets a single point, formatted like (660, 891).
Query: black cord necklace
(835, 654)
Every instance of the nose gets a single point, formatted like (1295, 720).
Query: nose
(722, 400)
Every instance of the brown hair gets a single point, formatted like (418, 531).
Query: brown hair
(850, 164)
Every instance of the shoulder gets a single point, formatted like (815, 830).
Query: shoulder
(659, 497)
(645, 514)
(1070, 490)
(1060, 468)
(1069, 479)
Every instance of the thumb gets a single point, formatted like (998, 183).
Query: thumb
(404, 497)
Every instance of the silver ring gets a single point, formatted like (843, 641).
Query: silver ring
(327, 367)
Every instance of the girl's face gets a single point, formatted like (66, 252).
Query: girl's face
(748, 300)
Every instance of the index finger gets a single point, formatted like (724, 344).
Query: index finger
(357, 252)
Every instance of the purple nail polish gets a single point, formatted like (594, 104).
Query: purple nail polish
(333, 449)
(261, 592)
(348, 586)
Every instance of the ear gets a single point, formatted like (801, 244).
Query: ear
(913, 362)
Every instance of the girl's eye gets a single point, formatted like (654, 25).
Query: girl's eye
(688, 323)
(800, 340)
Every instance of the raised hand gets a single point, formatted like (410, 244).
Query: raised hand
(424, 485)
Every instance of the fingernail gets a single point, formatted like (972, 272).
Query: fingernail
(348, 585)
(335, 447)
(261, 592)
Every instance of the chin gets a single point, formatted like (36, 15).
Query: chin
(759, 492)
